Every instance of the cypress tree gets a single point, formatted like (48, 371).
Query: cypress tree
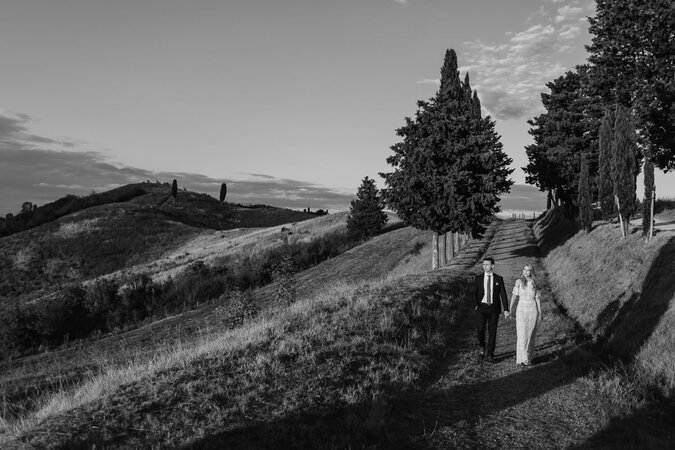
(449, 169)
(584, 200)
(605, 183)
(174, 189)
(623, 168)
(223, 192)
(366, 216)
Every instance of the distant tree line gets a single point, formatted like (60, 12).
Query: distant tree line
(616, 113)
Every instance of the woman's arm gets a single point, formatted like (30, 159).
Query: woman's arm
(537, 299)
(514, 295)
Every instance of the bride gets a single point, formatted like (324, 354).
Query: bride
(528, 315)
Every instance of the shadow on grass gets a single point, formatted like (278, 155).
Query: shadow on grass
(650, 427)
(352, 427)
(626, 329)
(556, 230)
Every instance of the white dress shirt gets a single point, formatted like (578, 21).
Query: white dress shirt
(487, 277)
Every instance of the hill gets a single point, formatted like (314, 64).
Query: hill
(77, 239)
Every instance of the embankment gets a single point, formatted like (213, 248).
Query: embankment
(621, 291)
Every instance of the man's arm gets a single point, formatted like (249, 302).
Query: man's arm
(503, 296)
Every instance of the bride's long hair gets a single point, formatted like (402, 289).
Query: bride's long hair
(533, 279)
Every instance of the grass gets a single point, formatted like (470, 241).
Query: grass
(622, 293)
(341, 349)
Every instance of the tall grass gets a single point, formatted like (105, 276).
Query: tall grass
(334, 350)
(621, 292)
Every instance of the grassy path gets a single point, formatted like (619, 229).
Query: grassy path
(468, 403)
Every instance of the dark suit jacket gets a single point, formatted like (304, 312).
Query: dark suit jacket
(498, 292)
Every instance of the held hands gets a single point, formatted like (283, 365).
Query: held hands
(507, 314)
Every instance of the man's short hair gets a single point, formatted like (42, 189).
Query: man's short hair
(489, 258)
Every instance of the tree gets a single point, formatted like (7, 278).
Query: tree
(449, 169)
(562, 135)
(366, 216)
(605, 183)
(174, 190)
(631, 54)
(623, 167)
(26, 208)
(223, 192)
(584, 200)
(647, 210)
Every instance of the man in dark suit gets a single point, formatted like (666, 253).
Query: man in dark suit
(490, 299)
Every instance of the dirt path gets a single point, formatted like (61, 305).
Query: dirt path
(469, 403)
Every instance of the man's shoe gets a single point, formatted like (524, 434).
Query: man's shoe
(491, 357)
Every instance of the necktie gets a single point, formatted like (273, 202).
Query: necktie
(488, 292)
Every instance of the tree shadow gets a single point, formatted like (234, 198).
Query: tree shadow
(650, 427)
(625, 328)
(556, 230)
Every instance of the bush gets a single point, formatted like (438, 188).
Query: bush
(285, 292)
(242, 307)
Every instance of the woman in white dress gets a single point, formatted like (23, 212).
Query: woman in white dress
(528, 315)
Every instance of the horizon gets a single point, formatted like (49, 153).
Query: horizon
(523, 199)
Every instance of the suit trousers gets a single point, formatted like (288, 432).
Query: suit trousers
(487, 316)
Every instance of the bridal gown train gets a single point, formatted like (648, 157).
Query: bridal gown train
(526, 321)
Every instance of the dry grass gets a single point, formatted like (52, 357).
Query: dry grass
(334, 350)
(622, 292)
(210, 246)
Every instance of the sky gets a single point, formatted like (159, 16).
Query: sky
(290, 102)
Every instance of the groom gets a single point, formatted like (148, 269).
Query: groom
(490, 299)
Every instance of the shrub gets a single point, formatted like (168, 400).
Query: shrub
(285, 291)
(242, 307)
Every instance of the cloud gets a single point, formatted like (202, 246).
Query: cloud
(510, 77)
(14, 132)
(30, 172)
(434, 81)
(401, 2)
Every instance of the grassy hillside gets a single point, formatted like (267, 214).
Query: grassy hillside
(302, 361)
(622, 293)
(75, 239)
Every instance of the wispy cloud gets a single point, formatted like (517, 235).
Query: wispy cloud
(401, 2)
(510, 76)
(32, 171)
(434, 81)
(14, 132)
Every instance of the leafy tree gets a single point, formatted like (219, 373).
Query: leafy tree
(174, 189)
(605, 183)
(623, 166)
(223, 192)
(566, 131)
(584, 200)
(632, 56)
(449, 169)
(366, 216)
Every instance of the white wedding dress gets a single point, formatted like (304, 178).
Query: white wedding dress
(526, 321)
